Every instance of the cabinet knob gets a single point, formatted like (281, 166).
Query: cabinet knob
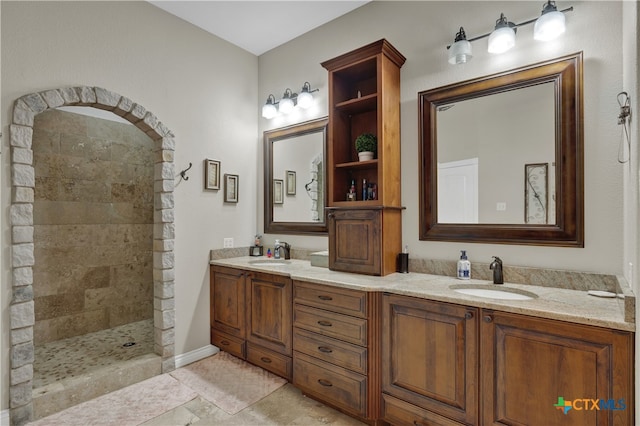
(330, 215)
(323, 297)
(324, 382)
(324, 323)
(265, 360)
(488, 318)
(325, 349)
(468, 315)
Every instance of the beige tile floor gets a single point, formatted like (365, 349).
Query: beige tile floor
(285, 406)
(75, 358)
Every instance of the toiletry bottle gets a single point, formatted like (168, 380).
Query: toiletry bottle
(464, 266)
(268, 252)
(276, 250)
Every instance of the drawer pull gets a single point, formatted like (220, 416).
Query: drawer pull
(324, 323)
(324, 382)
(265, 360)
(224, 342)
(325, 349)
(418, 423)
(488, 318)
(323, 297)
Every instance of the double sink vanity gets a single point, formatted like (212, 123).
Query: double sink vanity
(417, 349)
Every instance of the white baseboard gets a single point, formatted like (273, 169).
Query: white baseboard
(5, 420)
(195, 355)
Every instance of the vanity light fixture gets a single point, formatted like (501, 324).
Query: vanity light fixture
(548, 26)
(551, 23)
(460, 51)
(269, 109)
(305, 98)
(503, 36)
(288, 102)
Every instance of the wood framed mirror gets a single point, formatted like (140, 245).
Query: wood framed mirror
(501, 157)
(295, 194)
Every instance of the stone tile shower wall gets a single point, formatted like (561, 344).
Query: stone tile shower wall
(93, 225)
(21, 215)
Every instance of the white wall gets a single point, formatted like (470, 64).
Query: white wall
(421, 30)
(203, 88)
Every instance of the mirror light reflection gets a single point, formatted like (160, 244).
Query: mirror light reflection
(496, 158)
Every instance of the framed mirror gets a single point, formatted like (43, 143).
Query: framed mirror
(501, 157)
(295, 193)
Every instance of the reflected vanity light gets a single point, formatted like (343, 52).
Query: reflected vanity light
(550, 25)
(289, 100)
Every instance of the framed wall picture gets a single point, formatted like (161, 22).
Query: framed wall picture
(211, 174)
(231, 183)
(291, 182)
(535, 193)
(278, 191)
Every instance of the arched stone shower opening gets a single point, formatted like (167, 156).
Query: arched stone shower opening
(22, 312)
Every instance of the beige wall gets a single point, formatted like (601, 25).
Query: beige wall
(206, 91)
(421, 31)
(201, 87)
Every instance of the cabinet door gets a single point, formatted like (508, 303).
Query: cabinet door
(429, 356)
(354, 241)
(269, 312)
(533, 367)
(228, 300)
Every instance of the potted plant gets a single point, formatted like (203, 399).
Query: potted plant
(366, 145)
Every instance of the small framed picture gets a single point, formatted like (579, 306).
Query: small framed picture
(231, 183)
(278, 190)
(211, 174)
(536, 186)
(291, 182)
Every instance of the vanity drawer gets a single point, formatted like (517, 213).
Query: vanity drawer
(398, 412)
(334, 385)
(344, 301)
(343, 327)
(228, 343)
(331, 350)
(270, 360)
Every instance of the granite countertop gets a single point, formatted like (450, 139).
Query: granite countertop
(574, 306)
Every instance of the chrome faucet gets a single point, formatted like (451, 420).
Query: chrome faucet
(496, 266)
(286, 248)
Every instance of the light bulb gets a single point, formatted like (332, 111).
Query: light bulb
(549, 26)
(305, 100)
(501, 40)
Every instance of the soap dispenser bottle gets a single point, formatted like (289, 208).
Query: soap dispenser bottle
(464, 266)
(276, 250)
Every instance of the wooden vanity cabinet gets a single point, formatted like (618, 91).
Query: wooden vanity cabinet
(528, 363)
(429, 362)
(446, 364)
(335, 348)
(227, 309)
(364, 97)
(251, 317)
(364, 241)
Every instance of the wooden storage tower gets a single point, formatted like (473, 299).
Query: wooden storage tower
(365, 236)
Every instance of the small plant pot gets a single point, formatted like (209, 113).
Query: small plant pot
(365, 156)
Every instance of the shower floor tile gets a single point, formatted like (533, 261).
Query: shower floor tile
(79, 355)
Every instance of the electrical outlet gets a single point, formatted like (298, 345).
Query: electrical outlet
(228, 243)
(501, 207)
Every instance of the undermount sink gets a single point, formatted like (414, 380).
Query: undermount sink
(266, 262)
(493, 291)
